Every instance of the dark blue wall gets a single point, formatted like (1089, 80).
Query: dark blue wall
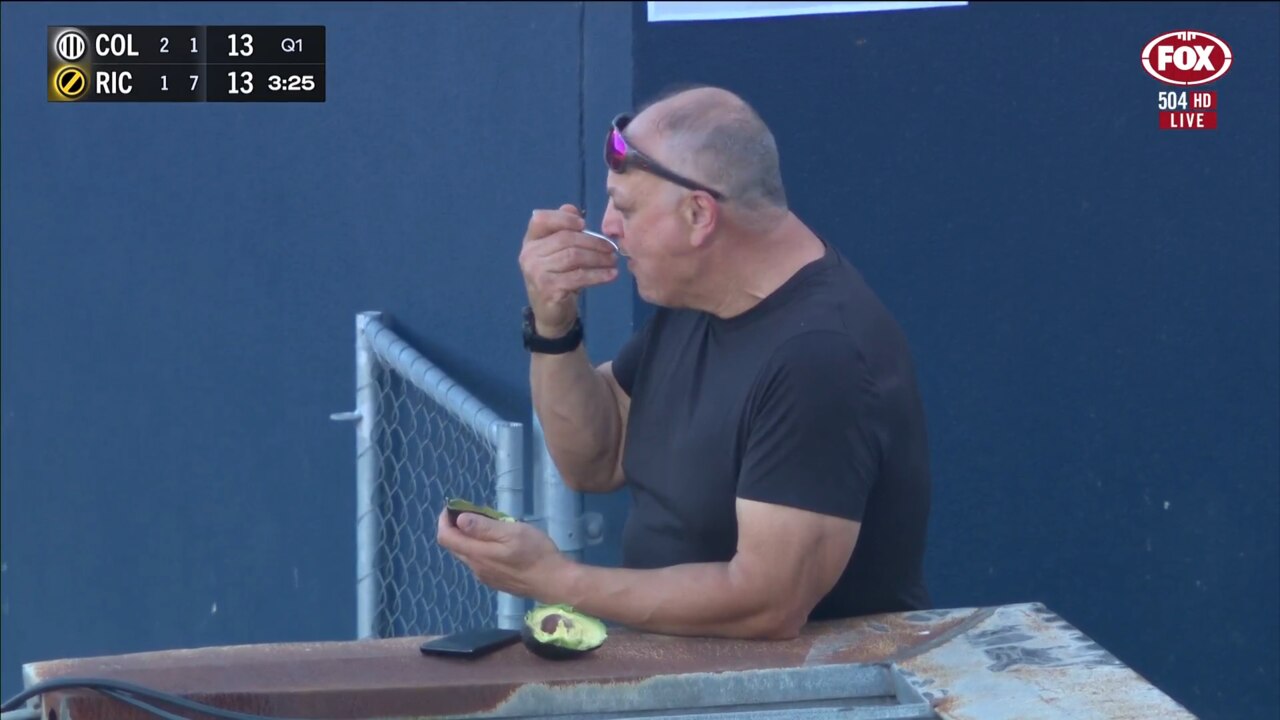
(1093, 303)
(179, 292)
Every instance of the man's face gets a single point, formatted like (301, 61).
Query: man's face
(646, 216)
(643, 216)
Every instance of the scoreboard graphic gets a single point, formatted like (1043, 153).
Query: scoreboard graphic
(190, 63)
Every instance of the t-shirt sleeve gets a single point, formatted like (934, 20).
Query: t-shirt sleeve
(627, 361)
(813, 432)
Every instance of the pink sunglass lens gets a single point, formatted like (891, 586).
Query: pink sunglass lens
(615, 150)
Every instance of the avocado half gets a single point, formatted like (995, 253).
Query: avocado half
(558, 632)
(457, 506)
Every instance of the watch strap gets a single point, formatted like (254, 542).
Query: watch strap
(533, 342)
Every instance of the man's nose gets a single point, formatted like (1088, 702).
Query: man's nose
(611, 223)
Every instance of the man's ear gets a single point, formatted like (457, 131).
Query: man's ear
(702, 213)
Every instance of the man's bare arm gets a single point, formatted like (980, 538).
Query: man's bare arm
(787, 560)
(578, 405)
(583, 416)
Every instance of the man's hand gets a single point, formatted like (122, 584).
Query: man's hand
(558, 261)
(511, 557)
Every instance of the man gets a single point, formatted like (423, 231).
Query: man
(766, 419)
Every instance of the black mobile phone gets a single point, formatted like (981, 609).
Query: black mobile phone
(471, 643)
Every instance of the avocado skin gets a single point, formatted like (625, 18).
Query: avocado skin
(547, 650)
(457, 506)
(551, 651)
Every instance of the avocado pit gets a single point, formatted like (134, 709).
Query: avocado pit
(551, 622)
(558, 632)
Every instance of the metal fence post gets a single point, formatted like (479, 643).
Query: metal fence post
(422, 438)
(559, 507)
(509, 476)
(368, 471)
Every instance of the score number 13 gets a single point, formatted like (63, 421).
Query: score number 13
(243, 86)
(243, 48)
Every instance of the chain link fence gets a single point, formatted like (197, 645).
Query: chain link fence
(422, 439)
(427, 457)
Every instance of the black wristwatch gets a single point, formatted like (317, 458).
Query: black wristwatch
(533, 342)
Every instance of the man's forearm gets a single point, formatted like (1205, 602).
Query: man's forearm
(703, 599)
(579, 418)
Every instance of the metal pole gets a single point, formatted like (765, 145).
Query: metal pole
(368, 470)
(509, 474)
(558, 506)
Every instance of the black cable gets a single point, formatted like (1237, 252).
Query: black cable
(147, 707)
(118, 689)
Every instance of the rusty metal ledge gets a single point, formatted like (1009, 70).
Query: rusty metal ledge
(1016, 661)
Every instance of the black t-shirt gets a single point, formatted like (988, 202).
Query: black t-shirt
(809, 399)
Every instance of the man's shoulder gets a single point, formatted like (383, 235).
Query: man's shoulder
(834, 308)
(837, 326)
(841, 281)
(810, 360)
(842, 297)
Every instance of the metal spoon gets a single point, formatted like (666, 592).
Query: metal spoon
(607, 239)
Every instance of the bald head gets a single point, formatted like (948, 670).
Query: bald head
(717, 138)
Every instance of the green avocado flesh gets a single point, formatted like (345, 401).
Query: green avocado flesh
(558, 632)
(457, 506)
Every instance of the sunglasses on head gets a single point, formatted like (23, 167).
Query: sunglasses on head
(620, 156)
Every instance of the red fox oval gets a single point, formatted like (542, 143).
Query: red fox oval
(1186, 57)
